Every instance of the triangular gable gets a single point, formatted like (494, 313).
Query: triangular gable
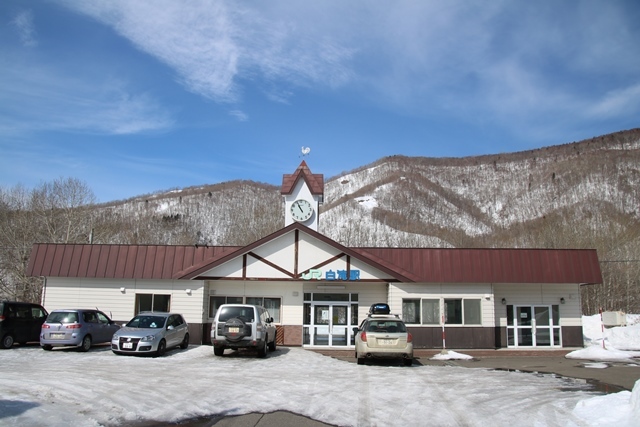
(315, 182)
(295, 252)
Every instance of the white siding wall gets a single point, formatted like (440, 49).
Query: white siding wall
(547, 294)
(107, 296)
(400, 291)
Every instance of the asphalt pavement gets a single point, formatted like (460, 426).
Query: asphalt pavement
(618, 376)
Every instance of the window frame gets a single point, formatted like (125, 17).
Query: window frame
(442, 305)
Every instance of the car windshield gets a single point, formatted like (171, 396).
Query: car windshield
(388, 326)
(243, 313)
(145, 321)
(63, 317)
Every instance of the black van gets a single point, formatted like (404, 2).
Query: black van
(20, 322)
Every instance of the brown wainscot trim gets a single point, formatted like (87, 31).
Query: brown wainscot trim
(458, 337)
(572, 336)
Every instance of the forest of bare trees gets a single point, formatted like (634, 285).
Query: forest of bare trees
(582, 195)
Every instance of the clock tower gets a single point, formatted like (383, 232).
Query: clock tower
(303, 194)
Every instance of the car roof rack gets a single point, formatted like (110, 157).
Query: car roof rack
(383, 316)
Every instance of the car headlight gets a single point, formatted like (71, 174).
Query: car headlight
(149, 338)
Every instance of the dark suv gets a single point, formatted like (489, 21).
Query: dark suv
(20, 322)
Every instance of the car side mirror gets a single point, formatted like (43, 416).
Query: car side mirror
(355, 330)
(170, 327)
(270, 320)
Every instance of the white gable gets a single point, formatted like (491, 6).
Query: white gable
(277, 259)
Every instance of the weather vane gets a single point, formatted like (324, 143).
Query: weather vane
(305, 151)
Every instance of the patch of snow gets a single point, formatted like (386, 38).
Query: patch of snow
(451, 355)
(367, 202)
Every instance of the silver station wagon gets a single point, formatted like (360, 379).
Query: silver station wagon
(151, 333)
(76, 328)
(383, 335)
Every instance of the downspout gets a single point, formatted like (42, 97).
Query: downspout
(44, 290)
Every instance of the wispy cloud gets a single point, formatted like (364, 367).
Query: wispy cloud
(241, 116)
(500, 62)
(42, 98)
(23, 22)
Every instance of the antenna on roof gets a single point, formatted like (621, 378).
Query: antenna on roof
(305, 151)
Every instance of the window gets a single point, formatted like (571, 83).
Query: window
(273, 305)
(411, 310)
(460, 311)
(102, 318)
(457, 311)
(472, 312)
(153, 302)
(430, 311)
(453, 311)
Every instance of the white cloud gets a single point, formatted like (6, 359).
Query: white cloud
(23, 22)
(41, 98)
(241, 116)
(618, 102)
(497, 60)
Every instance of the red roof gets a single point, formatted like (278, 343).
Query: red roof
(118, 261)
(315, 182)
(494, 265)
(426, 265)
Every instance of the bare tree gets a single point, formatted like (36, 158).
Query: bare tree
(55, 212)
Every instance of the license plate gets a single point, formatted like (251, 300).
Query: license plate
(127, 345)
(234, 330)
(56, 336)
(386, 342)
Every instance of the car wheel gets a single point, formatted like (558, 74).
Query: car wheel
(7, 341)
(272, 345)
(408, 362)
(86, 343)
(185, 342)
(262, 351)
(218, 351)
(162, 348)
(233, 325)
(47, 347)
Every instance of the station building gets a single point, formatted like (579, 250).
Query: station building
(317, 290)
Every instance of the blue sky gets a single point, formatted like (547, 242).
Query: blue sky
(133, 97)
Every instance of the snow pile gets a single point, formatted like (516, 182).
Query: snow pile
(620, 337)
(451, 355)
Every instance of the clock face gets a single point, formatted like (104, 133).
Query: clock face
(301, 210)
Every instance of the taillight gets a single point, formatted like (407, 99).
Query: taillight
(74, 326)
(45, 326)
(1, 317)
(409, 337)
(363, 336)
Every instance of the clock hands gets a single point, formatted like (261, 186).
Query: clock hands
(300, 207)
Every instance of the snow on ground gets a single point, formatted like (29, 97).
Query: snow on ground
(451, 355)
(99, 388)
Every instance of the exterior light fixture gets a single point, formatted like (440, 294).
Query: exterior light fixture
(504, 301)
(562, 301)
(122, 289)
(188, 291)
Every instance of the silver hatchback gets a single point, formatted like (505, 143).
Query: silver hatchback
(76, 328)
(151, 333)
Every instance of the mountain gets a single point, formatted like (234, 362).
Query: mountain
(581, 195)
